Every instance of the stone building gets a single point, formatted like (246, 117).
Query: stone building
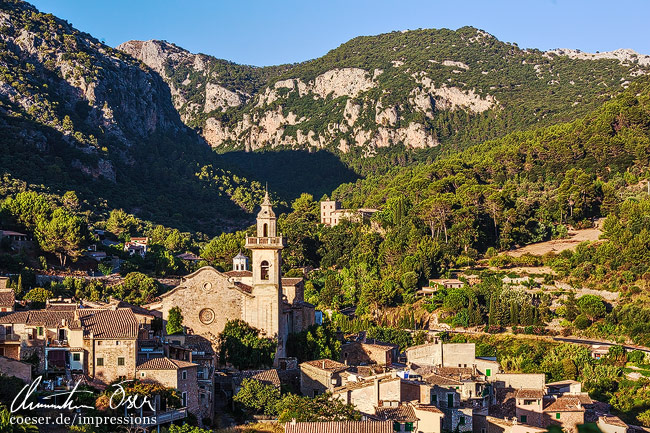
(359, 353)
(173, 373)
(380, 392)
(320, 376)
(331, 213)
(101, 343)
(260, 297)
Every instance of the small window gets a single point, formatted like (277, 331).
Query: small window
(461, 421)
(184, 399)
(557, 415)
(76, 357)
(397, 426)
(408, 426)
(524, 418)
(40, 331)
(184, 375)
(120, 361)
(99, 343)
(100, 362)
(143, 374)
(117, 342)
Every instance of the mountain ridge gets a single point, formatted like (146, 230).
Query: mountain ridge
(408, 91)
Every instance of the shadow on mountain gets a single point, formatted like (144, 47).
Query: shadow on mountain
(291, 172)
(161, 187)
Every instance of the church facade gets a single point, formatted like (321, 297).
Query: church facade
(259, 296)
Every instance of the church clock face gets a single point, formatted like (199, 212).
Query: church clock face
(206, 316)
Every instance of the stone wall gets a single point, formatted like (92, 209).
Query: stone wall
(110, 351)
(458, 354)
(568, 421)
(314, 381)
(357, 353)
(11, 367)
(219, 301)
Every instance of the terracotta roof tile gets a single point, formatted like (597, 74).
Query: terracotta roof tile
(164, 364)
(287, 281)
(530, 393)
(402, 413)
(109, 324)
(327, 365)
(562, 404)
(239, 273)
(7, 298)
(244, 287)
(269, 377)
(340, 427)
(14, 317)
(428, 408)
(613, 420)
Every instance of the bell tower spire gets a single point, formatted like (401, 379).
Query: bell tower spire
(266, 305)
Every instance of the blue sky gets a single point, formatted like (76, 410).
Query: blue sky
(276, 31)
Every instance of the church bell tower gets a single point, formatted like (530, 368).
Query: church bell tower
(266, 311)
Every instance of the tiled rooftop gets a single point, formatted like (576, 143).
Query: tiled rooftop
(340, 427)
(164, 364)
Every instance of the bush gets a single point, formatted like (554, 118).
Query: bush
(636, 357)
(582, 322)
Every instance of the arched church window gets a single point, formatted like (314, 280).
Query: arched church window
(264, 270)
(266, 230)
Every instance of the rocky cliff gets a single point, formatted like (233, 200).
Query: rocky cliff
(77, 114)
(411, 90)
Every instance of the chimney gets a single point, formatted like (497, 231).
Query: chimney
(377, 393)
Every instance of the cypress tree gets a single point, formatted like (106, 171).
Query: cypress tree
(492, 311)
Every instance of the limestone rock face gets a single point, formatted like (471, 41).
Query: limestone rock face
(217, 97)
(342, 82)
(345, 101)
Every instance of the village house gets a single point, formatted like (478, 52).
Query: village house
(15, 240)
(137, 245)
(320, 376)
(611, 424)
(172, 373)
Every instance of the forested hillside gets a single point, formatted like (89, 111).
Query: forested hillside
(402, 95)
(78, 115)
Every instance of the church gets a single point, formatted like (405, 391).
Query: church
(259, 296)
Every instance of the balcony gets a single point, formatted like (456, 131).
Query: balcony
(255, 242)
(9, 338)
(167, 417)
(57, 343)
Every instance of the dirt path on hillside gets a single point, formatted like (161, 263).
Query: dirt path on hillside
(558, 245)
